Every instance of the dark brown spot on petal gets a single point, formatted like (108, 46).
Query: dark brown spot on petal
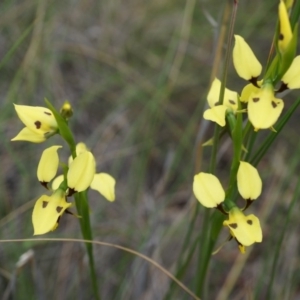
(274, 104)
(232, 102)
(253, 80)
(255, 99)
(47, 113)
(282, 88)
(45, 203)
(71, 192)
(59, 209)
(37, 124)
(249, 222)
(281, 37)
(217, 103)
(44, 184)
(233, 225)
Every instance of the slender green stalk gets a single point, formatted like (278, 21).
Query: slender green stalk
(205, 248)
(84, 220)
(80, 198)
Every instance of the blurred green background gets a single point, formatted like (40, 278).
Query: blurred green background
(137, 74)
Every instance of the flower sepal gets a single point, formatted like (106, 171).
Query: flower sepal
(208, 190)
(39, 123)
(48, 165)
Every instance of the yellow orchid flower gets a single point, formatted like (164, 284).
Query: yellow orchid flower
(263, 108)
(286, 33)
(217, 112)
(208, 190)
(48, 164)
(39, 121)
(245, 229)
(101, 182)
(245, 62)
(47, 211)
(248, 181)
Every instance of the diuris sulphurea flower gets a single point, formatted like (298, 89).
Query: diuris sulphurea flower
(39, 123)
(217, 111)
(47, 211)
(210, 193)
(264, 108)
(82, 175)
(79, 177)
(245, 229)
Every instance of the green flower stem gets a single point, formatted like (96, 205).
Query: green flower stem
(236, 126)
(207, 242)
(80, 198)
(84, 220)
(250, 143)
(247, 133)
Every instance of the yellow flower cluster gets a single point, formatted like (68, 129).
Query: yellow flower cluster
(263, 107)
(81, 172)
